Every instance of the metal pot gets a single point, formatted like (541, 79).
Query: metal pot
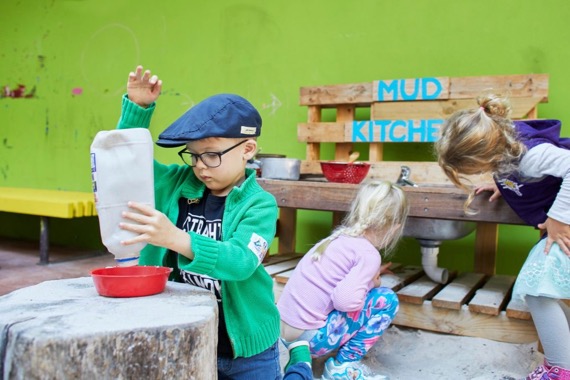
(280, 168)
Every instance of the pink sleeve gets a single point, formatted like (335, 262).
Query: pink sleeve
(350, 293)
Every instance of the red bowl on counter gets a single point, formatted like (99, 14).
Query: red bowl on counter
(345, 172)
(135, 281)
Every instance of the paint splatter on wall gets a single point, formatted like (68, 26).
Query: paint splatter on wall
(18, 92)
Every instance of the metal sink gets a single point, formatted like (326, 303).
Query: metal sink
(437, 229)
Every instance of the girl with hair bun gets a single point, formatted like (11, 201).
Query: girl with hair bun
(530, 164)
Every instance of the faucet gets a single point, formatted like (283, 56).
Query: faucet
(404, 178)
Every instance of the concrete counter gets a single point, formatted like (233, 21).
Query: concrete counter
(64, 330)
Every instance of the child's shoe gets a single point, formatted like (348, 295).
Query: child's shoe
(299, 353)
(548, 372)
(349, 371)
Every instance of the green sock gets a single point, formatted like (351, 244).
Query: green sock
(298, 353)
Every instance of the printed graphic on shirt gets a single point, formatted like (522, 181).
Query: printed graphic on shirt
(511, 185)
(202, 226)
(202, 281)
(212, 229)
(258, 245)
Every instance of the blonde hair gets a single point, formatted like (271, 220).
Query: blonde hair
(380, 207)
(479, 140)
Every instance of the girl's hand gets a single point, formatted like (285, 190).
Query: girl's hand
(384, 268)
(142, 88)
(557, 232)
(153, 227)
(489, 187)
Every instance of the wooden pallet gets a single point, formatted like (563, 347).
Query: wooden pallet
(471, 304)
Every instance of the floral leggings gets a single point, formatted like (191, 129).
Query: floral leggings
(354, 333)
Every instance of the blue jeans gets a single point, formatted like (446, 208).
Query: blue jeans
(263, 366)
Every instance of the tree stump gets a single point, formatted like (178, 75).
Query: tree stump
(64, 330)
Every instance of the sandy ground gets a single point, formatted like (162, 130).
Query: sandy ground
(416, 354)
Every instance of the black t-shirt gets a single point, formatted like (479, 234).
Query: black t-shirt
(204, 217)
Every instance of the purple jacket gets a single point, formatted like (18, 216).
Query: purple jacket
(531, 200)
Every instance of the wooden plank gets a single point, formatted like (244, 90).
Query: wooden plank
(357, 93)
(401, 276)
(344, 113)
(461, 289)
(287, 224)
(437, 202)
(410, 89)
(361, 94)
(313, 116)
(492, 297)
(515, 86)
(442, 109)
(419, 291)
(280, 257)
(518, 309)
(283, 266)
(465, 323)
(486, 244)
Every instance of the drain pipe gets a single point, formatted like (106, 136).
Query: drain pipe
(430, 251)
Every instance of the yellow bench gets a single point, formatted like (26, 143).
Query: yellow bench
(47, 204)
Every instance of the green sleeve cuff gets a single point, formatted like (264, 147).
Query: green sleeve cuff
(205, 254)
(134, 116)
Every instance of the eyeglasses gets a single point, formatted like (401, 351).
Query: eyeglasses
(210, 159)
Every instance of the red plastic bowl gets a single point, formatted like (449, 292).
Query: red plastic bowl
(345, 172)
(135, 281)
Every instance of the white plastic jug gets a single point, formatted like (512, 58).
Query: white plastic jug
(121, 171)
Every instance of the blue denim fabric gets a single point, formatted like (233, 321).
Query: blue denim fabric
(263, 366)
(299, 371)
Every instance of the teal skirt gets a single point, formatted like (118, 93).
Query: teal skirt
(543, 274)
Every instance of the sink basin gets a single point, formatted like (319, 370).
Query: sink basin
(437, 229)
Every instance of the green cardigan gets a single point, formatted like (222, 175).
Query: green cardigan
(252, 319)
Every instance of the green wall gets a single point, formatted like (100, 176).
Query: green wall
(77, 55)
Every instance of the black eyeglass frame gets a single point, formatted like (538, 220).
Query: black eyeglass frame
(194, 157)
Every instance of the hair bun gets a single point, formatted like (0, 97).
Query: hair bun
(495, 104)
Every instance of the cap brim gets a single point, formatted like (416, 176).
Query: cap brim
(165, 143)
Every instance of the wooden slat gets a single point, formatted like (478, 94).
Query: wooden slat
(357, 93)
(492, 297)
(437, 202)
(313, 116)
(287, 225)
(419, 291)
(282, 266)
(442, 109)
(515, 86)
(486, 243)
(344, 113)
(461, 289)
(518, 309)
(465, 323)
(416, 88)
(361, 94)
(401, 276)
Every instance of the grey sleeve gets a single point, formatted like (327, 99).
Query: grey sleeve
(547, 159)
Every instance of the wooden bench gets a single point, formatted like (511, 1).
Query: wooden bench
(47, 204)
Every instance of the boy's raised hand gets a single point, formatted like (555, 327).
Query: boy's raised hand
(142, 87)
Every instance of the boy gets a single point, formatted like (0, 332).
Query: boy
(213, 223)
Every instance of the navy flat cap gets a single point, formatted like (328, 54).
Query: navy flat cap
(222, 115)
